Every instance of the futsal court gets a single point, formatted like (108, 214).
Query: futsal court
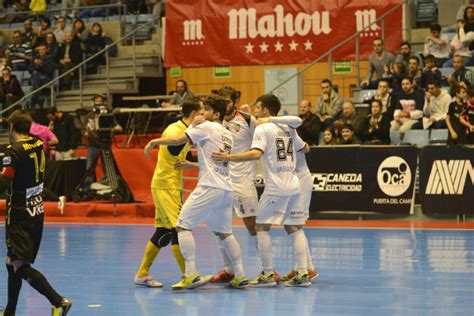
(414, 270)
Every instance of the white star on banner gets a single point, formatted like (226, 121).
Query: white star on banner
(293, 45)
(308, 45)
(249, 48)
(263, 47)
(278, 47)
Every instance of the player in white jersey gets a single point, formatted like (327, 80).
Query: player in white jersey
(278, 204)
(211, 200)
(306, 183)
(242, 127)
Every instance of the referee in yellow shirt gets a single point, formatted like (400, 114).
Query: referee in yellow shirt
(166, 192)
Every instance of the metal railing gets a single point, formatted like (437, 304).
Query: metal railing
(329, 54)
(122, 10)
(51, 84)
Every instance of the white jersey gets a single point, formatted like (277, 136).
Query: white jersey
(242, 128)
(301, 165)
(278, 160)
(211, 137)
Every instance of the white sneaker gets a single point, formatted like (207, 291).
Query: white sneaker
(62, 203)
(147, 281)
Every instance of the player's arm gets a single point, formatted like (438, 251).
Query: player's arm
(186, 165)
(172, 140)
(290, 120)
(252, 154)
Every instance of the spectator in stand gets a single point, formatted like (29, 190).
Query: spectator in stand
(309, 129)
(70, 55)
(405, 54)
(409, 108)
(42, 68)
(462, 9)
(10, 88)
(437, 45)
(376, 128)
(394, 74)
(414, 72)
(349, 115)
(377, 62)
(468, 21)
(61, 29)
(65, 4)
(43, 29)
(20, 54)
(430, 72)
(45, 134)
(37, 6)
(95, 42)
(52, 46)
(460, 73)
(329, 137)
(28, 37)
(329, 104)
(348, 136)
(435, 109)
(460, 45)
(456, 108)
(19, 6)
(80, 31)
(62, 125)
(93, 12)
(467, 119)
(387, 99)
(180, 95)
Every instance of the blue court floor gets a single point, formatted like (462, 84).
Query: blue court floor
(362, 272)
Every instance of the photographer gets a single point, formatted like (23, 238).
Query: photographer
(95, 139)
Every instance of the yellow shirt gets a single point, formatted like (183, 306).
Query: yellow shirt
(166, 176)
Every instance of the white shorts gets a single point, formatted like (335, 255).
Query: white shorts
(279, 210)
(245, 199)
(304, 200)
(212, 205)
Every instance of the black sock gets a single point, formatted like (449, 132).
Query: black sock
(14, 287)
(40, 284)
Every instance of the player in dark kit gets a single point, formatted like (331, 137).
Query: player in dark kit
(24, 164)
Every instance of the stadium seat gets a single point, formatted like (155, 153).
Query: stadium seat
(395, 138)
(365, 95)
(446, 71)
(417, 138)
(438, 136)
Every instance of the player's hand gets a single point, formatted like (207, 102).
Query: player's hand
(198, 119)
(472, 128)
(185, 165)
(262, 120)
(221, 156)
(454, 135)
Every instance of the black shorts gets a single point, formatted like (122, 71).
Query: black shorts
(23, 240)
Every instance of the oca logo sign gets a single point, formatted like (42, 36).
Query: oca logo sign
(394, 176)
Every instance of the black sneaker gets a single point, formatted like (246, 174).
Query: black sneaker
(66, 305)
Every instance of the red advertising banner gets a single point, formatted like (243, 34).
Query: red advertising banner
(255, 32)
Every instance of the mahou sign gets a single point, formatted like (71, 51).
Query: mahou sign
(238, 32)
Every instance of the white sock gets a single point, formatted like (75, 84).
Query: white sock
(310, 264)
(255, 240)
(225, 257)
(188, 249)
(265, 251)
(232, 248)
(300, 250)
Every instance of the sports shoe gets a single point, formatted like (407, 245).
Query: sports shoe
(191, 282)
(299, 281)
(62, 203)
(312, 274)
(264, 280)
(239, 283)
(63, 309)
(222, 277)
(276, 276)
(147, 281)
